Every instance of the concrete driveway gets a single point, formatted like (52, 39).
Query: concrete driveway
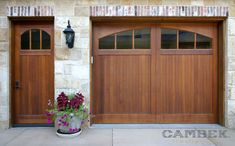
(121, 135)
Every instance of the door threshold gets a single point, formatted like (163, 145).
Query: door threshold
(33, 125)
(157, 126)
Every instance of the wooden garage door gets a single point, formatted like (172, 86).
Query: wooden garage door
(154, 73)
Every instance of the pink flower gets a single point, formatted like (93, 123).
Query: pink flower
(70, 130)
(49, 121)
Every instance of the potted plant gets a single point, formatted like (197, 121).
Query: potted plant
(68, 113)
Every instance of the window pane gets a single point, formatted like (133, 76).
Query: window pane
(107, 42)
(168, 39)
(142, 39)
(35, 39)
(124, 40)
(25, 40)
(46, 41)
(203, 42)
(186, 40)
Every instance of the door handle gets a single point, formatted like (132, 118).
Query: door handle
(17, 84)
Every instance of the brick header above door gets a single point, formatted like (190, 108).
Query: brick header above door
(147, 10)
(127, 10)
(30, 10)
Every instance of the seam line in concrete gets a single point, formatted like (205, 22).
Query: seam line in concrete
(212, 142)
(14, 138)
(112, 136)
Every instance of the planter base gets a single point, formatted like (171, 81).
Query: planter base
(68, 135)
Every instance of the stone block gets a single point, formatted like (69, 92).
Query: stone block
(232, 10)
(170, 2)
(67, 69)
(75, 54)
(231, 26)
(4, 46)
(4, 73)
(3, 22)
(85, 88)
(126, 2)
(65, 8)
(3, 59)
(75, 84)
(90, 2)
(197, 2)
(209, 2)
(231, 46)
(3, 91)
(231, 108)
(232, 92)
(43, 2)
(3, 8)
(230, 122)
(84, 33)
(155, 2)
(80, 72)
(184, 2)
(86, 57)
(58, 37)
(59, 67)
(62, 81)
(82, 11)
(4, 124)
(61, 53)
(61, 22)
(140, 2)
(231, 66)
(230, 78)
(84, 21)
(230, 63)
(4, 35)
(82, 43)
(219, 2)
(3, 96)
(113, 2)
(4, 113)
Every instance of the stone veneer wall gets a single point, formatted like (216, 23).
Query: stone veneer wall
(72, 66)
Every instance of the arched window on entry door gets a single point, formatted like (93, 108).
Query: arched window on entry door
(35, 39)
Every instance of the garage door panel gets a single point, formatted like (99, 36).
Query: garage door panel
(172, 79)
(125, 82)
(185, 84)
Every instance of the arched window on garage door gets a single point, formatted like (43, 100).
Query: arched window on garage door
(130, 39)
(181, 39)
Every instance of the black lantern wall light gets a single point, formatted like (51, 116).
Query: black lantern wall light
(69, 35)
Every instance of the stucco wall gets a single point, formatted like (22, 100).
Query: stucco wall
(72, 65)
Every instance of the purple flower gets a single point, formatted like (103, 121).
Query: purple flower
(62, 101)
(76, 101)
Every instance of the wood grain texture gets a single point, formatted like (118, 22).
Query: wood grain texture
(35, 72)
(156, 85)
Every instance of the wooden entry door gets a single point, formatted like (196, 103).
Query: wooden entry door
(154, 73)
(33, 71)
